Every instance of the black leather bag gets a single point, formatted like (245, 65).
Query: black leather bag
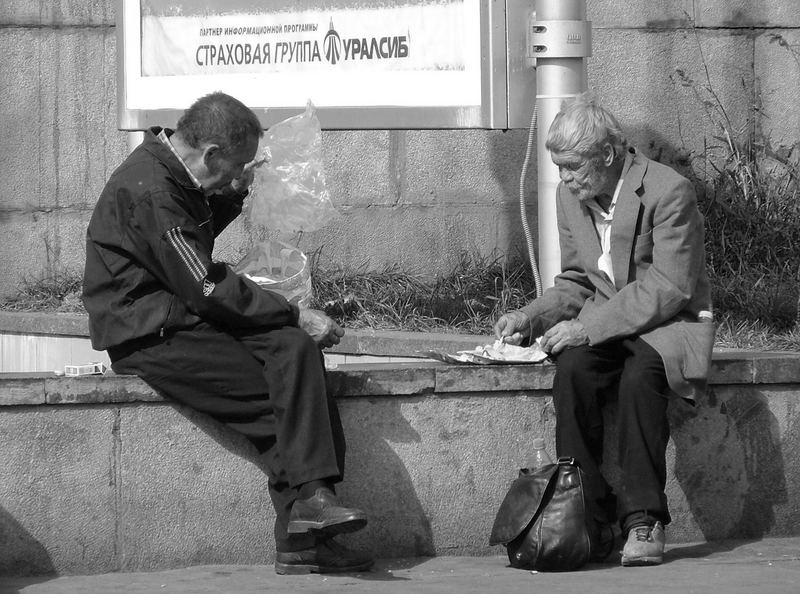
(545, 521)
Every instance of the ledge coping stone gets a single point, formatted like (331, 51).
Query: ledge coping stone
(355, 342)
(423, 378)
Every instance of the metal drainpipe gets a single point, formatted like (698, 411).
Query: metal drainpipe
(560, 40)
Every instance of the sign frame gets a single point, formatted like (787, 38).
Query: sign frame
(499, 27)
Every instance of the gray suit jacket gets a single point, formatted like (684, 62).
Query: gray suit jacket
(660, 282)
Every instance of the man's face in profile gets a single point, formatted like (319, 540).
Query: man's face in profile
(224, 167)
(584, 176)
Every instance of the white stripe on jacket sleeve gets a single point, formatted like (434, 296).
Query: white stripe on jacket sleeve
(187, 254)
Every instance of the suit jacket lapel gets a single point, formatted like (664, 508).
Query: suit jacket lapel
(626, 215)
(585, 235)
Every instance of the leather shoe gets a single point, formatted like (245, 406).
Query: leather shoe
(323, 512)
(327, 557)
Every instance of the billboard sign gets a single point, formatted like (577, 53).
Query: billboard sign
(379, 63)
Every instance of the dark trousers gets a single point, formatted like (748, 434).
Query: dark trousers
(268, 385)
(631, 373)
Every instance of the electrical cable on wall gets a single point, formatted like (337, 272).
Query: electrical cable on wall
(537, 281)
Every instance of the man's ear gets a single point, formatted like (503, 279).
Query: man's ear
(608, 154)
(211, 153)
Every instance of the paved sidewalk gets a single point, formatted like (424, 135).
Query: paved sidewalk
(770, 566)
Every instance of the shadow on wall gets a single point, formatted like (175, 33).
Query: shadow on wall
(377, 481)
(729, 463)
(20, 553)
(656, 147)
(375, 478)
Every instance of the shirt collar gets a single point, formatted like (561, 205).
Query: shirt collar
(162, 136)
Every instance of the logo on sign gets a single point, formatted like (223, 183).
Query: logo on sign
(337, 49)
(332, 45)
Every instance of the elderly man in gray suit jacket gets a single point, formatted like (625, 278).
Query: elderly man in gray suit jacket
(628, 318)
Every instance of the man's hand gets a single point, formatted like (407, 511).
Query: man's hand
(320, 327)
(512, 327)
(242, 183)
(569, 333)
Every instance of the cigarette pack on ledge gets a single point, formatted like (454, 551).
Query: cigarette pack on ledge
(86, 369)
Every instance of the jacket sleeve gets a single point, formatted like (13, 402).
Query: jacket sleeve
(225, 207)
(182, 249)
(571, 287)
(664, 286)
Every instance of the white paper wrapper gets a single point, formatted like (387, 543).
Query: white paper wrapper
(496, 353)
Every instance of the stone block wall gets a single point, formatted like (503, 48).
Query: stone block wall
(416, 198)
(102, 475)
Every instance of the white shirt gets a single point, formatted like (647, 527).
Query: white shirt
(602, 223)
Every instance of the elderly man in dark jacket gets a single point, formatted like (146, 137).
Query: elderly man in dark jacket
(210, 339)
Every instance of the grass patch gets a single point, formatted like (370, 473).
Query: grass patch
(467, 300)
(758, 296)
(755, 311)
(755, 335)
(58, 293)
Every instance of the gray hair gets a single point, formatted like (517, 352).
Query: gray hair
(583, 127)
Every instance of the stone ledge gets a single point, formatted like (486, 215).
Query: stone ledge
(730, 366)
(386, 379)
(57, 324)
(356, 342)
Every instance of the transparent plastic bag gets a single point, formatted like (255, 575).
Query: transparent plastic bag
(289, 194)
(281, 268)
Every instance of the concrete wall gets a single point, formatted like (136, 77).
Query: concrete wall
(414, 198)
(101, 475)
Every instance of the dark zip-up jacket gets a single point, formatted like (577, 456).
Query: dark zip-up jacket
(148, 256)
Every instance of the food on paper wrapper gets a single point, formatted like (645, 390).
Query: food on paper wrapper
(500, 351)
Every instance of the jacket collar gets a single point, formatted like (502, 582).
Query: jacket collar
(164, 138)
(164, 154)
